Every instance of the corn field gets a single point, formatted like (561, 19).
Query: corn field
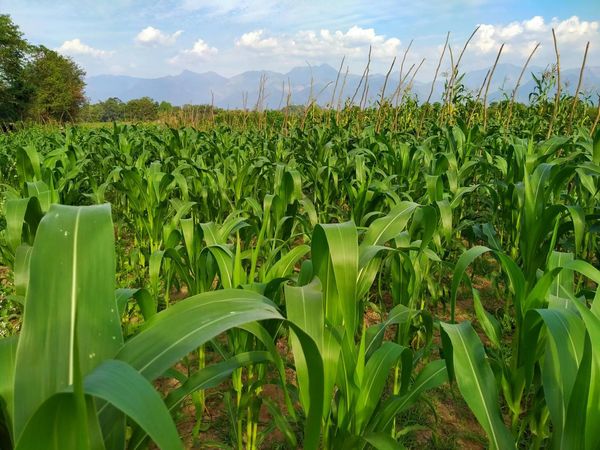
(307, 280)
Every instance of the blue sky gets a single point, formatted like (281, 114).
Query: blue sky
(163, 37)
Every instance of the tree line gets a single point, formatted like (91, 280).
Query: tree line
(143, 109)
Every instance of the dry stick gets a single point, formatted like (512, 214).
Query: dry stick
(478, 97)
(339, 103)
(336, 82)
(397, 99)
(379, 112)
(312, 85)
(454, 73)
(309, 102)
(455, 68)
(212, 106)
(361, 78)
(287, 107)
(597, 118)
(412, 79)
(403, 61)
(385, 82)
(514, 94)
(558, 87)
(437, 69)
(245, 106)
(587, 46)
(313, 102)
(282, 94)
(445, 94)
(363, 97)
(366, 87)
(394, 95)
(487, 87)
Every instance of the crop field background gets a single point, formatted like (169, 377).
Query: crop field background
(387, 274)
(363, 278)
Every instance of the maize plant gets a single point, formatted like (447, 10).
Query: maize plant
(329, 278)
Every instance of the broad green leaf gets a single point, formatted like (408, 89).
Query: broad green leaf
(70, 321)
(459, 271)
(186, 325)
(57, 425)
(8, 350)
(377, 371)
(431, 376)
(476, 382)
(335, 258)
(127, 390)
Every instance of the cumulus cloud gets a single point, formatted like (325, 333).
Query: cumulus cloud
(254, 40)
(354, 42)
(152, 37)
(75, 47)
(520, 37)
(199, 51)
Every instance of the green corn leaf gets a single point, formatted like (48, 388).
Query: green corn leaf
(186, 325)
(431, 376)
(592, 433)
(57, 425)
(8, 351)
(459, 271)
(70, 320)
(305, 309)
(489, 323)
(377, 371)
(467, 363)
(22, 219)
(383, 441)
(21, 270)
(335, 259)
(127, 390)
(388, 227)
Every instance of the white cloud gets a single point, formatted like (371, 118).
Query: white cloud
(255, 40)
(573, 29)
(76, 47)
(324, 43)
(151, 36)
(536, 23)
(199, 51)
(519, 37)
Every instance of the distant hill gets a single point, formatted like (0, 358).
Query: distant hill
(199, 88)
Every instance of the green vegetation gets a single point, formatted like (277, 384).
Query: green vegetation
(36, 83)
(304, 279)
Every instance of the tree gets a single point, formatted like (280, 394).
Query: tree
(143, 109)
(113, 109)
(165, 107)
(91, 112)
(58, 86)
(14, 91)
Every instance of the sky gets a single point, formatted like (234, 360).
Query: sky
(154, 38)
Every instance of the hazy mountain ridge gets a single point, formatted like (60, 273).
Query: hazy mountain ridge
(199, 88)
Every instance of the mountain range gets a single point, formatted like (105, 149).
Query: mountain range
(310, 82)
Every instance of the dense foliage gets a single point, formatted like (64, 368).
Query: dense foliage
(35, 82)
(337, 269)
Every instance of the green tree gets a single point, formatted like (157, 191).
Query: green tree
(91, 112)
(14, 91)
(58, 86)
(143, 109)
(113, 109)
(165, 107)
